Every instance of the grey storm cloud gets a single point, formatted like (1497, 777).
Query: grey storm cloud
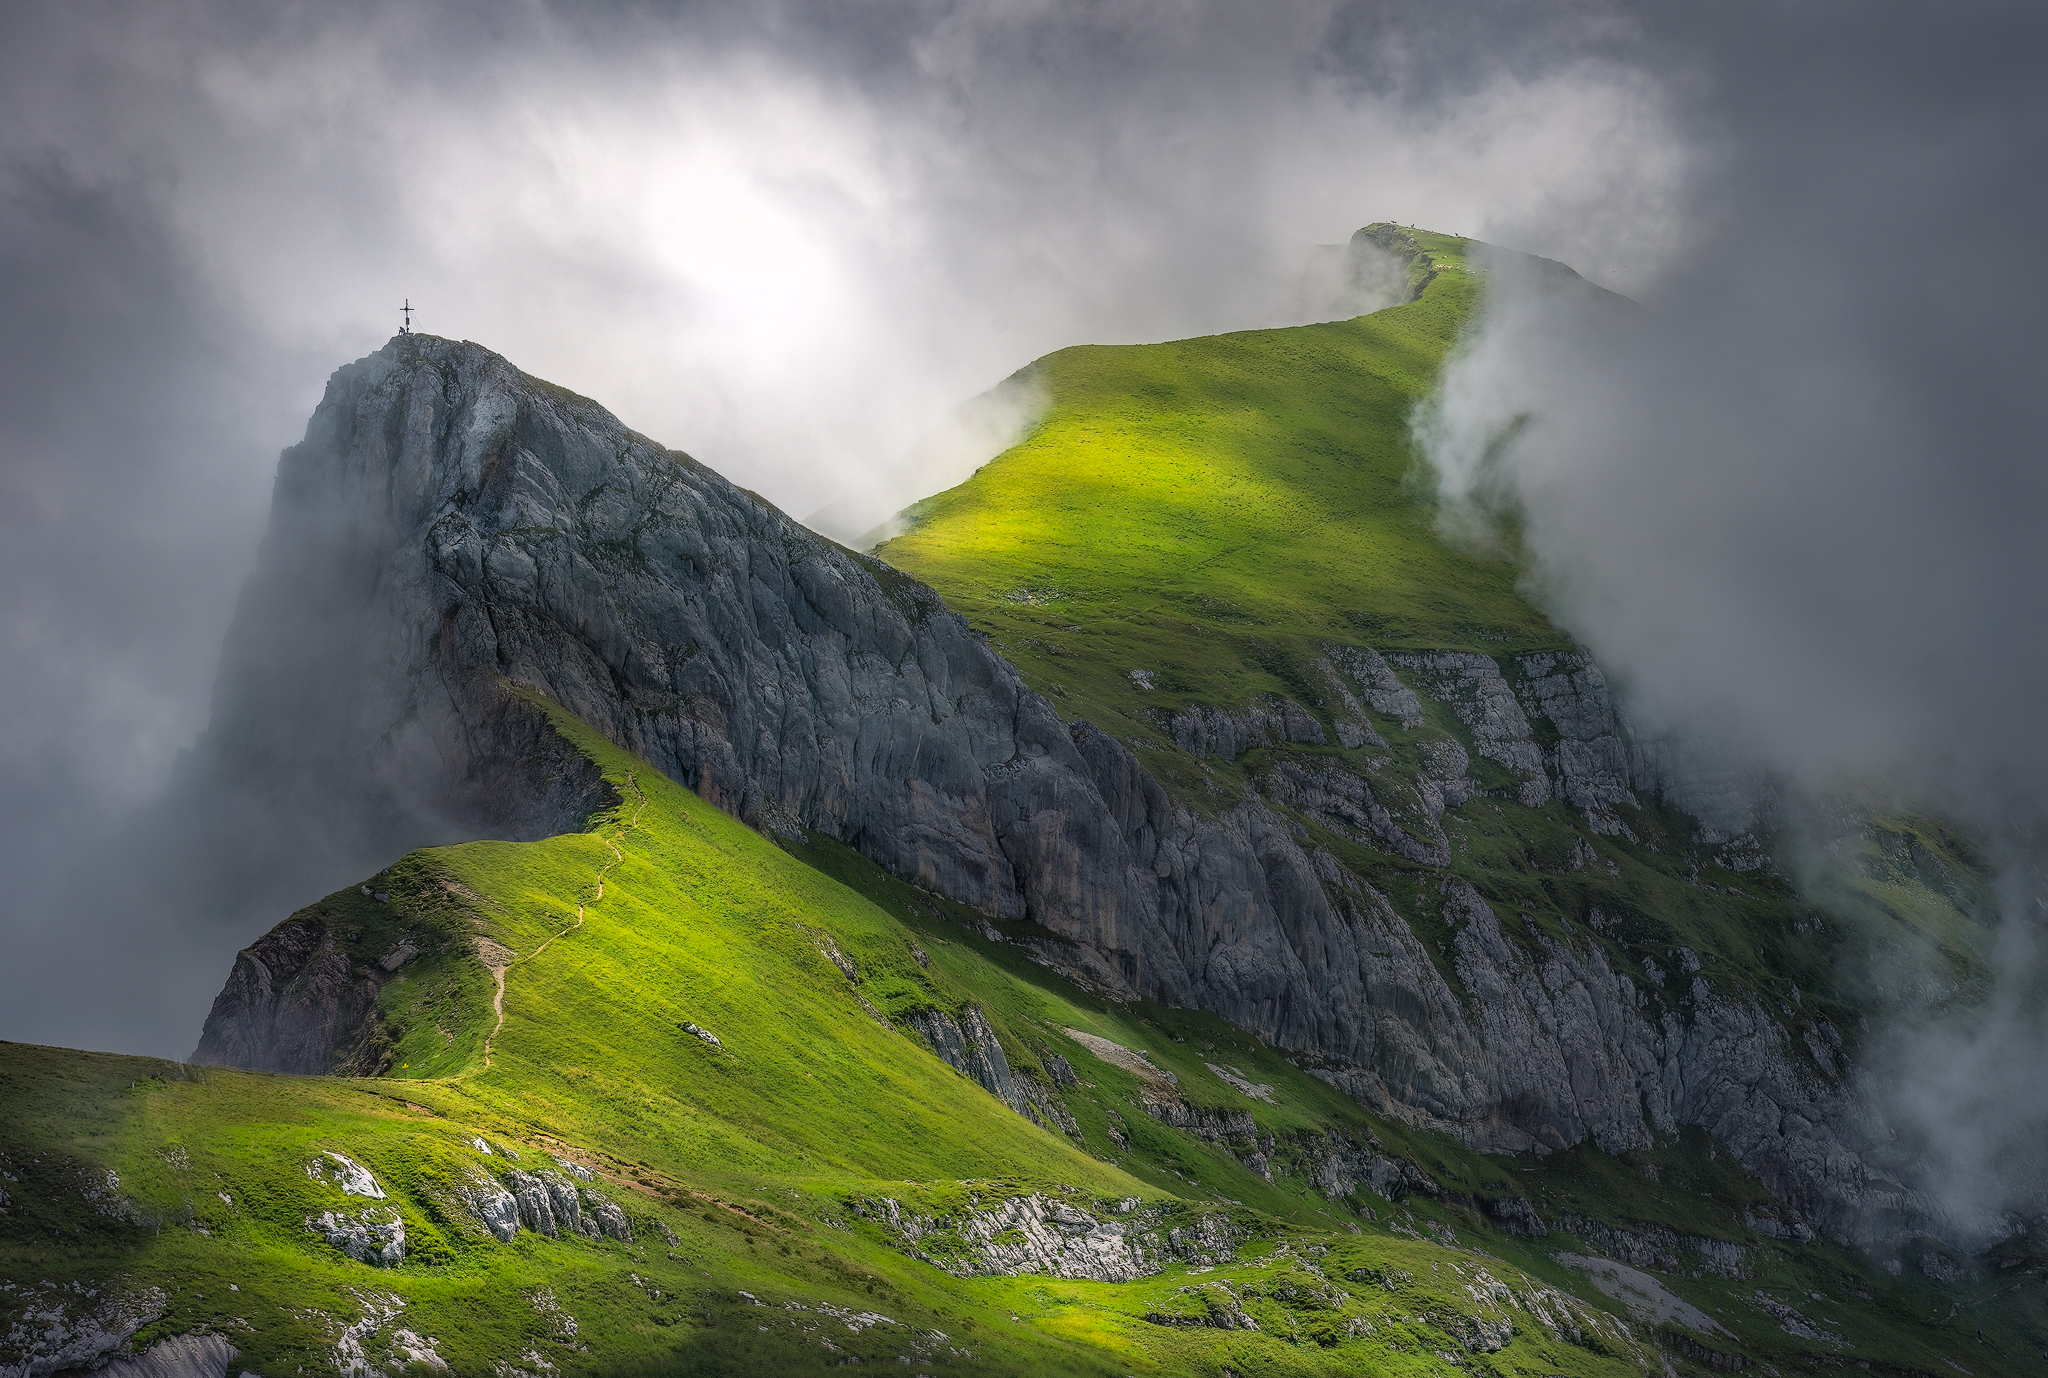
(791, 238)
(1796, 504)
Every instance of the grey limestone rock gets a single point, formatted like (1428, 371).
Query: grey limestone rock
(64, 1327)
(536, 1207)
(1343, 800)
(564, 1204)
(495, 1206)
(1036, 1233)
(374, 1235)
(547, 1203)
(180, 1356)
(292, 1003)
(1264, 721)
(1216, 1126)
(345, 1173)
(1655, 1246)
(969, 1046)
(1767, 1224)
(1476, 691)
(1379, 684)
(608, 1218)
(1341, 1166)
(1517, 1215)
(1590, 762)
(1347, 717)
(1483, 1335)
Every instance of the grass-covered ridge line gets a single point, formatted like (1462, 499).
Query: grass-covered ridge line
(1195, 523)
(743, 1168)
(737, 1164)
(1211, 510)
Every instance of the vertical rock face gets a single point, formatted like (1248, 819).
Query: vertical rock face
(292, 1003)
(1473, 686)
(450, 526)
(1591, 763)
(969, 1046)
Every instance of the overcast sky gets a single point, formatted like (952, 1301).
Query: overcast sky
(787, 238)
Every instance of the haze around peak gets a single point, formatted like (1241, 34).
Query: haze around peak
(1796, 505)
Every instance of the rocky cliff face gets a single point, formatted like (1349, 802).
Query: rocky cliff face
(294, 1002)
(450, 525)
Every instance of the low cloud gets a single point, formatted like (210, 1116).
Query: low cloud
(1794, 503)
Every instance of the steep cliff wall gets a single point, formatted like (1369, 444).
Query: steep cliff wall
(450, 524)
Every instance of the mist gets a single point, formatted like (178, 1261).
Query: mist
(791, 240)
(1794, 504)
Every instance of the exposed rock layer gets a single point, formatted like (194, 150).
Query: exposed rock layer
(968, 1045)
(294, 1002)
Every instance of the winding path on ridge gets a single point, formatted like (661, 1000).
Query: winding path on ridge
(498, 972)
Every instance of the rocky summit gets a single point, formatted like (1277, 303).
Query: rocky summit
(1167, 870)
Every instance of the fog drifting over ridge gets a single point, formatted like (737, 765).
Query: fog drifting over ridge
(1796, 506)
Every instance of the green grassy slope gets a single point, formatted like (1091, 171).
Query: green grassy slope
(744, 1168)
(1212, 510)
(739, 1165)
(1213, 513)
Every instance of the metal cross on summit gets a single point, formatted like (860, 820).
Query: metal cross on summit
(406, 311)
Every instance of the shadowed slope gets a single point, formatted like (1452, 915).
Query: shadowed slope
(753, 1177)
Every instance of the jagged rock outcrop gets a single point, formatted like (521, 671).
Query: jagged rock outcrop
(374, 1235)
(74, 1326)
(1590, 763)
(1343, 801)
(450, 527)
(1037, 1233)
(969, 1046)
(547, 1203)
(1474, 688)
(1377, 681)
(1654, 1246)
(294, 1002)
(495, 1207)
(1208, 731)
(192, 1355)
(344, 1173)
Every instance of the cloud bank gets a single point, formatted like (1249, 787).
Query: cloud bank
(1798, 501)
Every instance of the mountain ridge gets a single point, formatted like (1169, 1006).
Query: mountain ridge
(1225, 1004)
(805, 688)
